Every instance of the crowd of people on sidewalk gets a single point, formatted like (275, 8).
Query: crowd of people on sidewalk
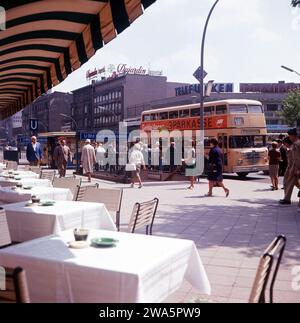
(284, 160)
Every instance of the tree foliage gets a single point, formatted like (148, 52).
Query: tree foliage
(291, 108)
(295, 3)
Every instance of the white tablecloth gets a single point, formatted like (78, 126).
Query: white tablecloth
(6, 182)
(139, 269)
(27, 223)
(14, 195)
(21, 174)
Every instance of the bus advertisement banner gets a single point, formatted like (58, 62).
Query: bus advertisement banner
(213, 122)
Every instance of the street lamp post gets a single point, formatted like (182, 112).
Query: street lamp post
(202, 67)
(290, 70)
(77, 138)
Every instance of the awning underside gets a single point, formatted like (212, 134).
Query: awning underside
(44, 41)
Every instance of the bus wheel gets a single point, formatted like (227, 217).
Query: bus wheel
(242, 175)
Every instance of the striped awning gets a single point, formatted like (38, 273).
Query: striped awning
(44, 41)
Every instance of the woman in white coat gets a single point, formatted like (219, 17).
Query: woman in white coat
(136, 158)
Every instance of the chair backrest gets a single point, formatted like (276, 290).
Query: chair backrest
(16, 290)
(112, 198)
(68, 182)
(48, 174)
(12, 165)
(35, 169)
(143, 215)
(5, 238)
(84, 191)
(266, 273)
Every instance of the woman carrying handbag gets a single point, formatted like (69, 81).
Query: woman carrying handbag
(215, 167)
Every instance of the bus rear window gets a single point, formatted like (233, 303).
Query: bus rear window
(221, 109)
(255, 109)
(209, 111)
(233, 109)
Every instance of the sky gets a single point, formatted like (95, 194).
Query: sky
(247, 41)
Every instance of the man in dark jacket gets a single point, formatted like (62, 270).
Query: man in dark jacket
(34, 152)
(283, 162)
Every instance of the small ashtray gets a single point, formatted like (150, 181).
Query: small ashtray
(35, 199)
(81, 234)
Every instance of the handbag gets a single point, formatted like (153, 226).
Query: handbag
(130, 167)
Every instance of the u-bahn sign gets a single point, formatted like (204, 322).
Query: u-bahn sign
(33, 124)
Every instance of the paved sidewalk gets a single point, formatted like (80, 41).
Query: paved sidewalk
(230, 233)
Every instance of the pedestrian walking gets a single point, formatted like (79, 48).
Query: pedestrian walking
(190, 163)
(274, 160)
(34, 152)
(293, 169)
(215, 168)
(88, 159)
(136, 158)
(61, 156)
(283, 153)
(100, 155)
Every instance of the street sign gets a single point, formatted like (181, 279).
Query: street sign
(87, 135)
(33, 124)
(199, 73)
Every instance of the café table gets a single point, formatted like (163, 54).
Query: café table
(6, 182)
(15, 194)
(137, 268)
(19, 174)
(34, 221)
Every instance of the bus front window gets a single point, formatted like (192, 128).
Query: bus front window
(247, 141)
(255, 109)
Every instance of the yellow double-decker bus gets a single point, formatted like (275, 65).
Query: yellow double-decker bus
(239, 125)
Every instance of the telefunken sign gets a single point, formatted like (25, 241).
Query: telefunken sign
(217, 88)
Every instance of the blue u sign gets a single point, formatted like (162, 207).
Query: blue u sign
(33, 124)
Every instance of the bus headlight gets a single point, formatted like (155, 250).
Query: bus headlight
(240, 161)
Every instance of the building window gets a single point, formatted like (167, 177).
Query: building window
(272, 107)
(85, 108)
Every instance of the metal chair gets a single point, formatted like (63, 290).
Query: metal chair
(68, 182)
(12, 165)
(143, 215)
(15, 289)
(49, 174)
(35, 169)
(5, 238)
(265, 272)
(111, 198)
(82, 191)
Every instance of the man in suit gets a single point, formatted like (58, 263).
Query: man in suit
(34, 152)
(61, 157)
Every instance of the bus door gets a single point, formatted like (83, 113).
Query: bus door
(223, 144)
